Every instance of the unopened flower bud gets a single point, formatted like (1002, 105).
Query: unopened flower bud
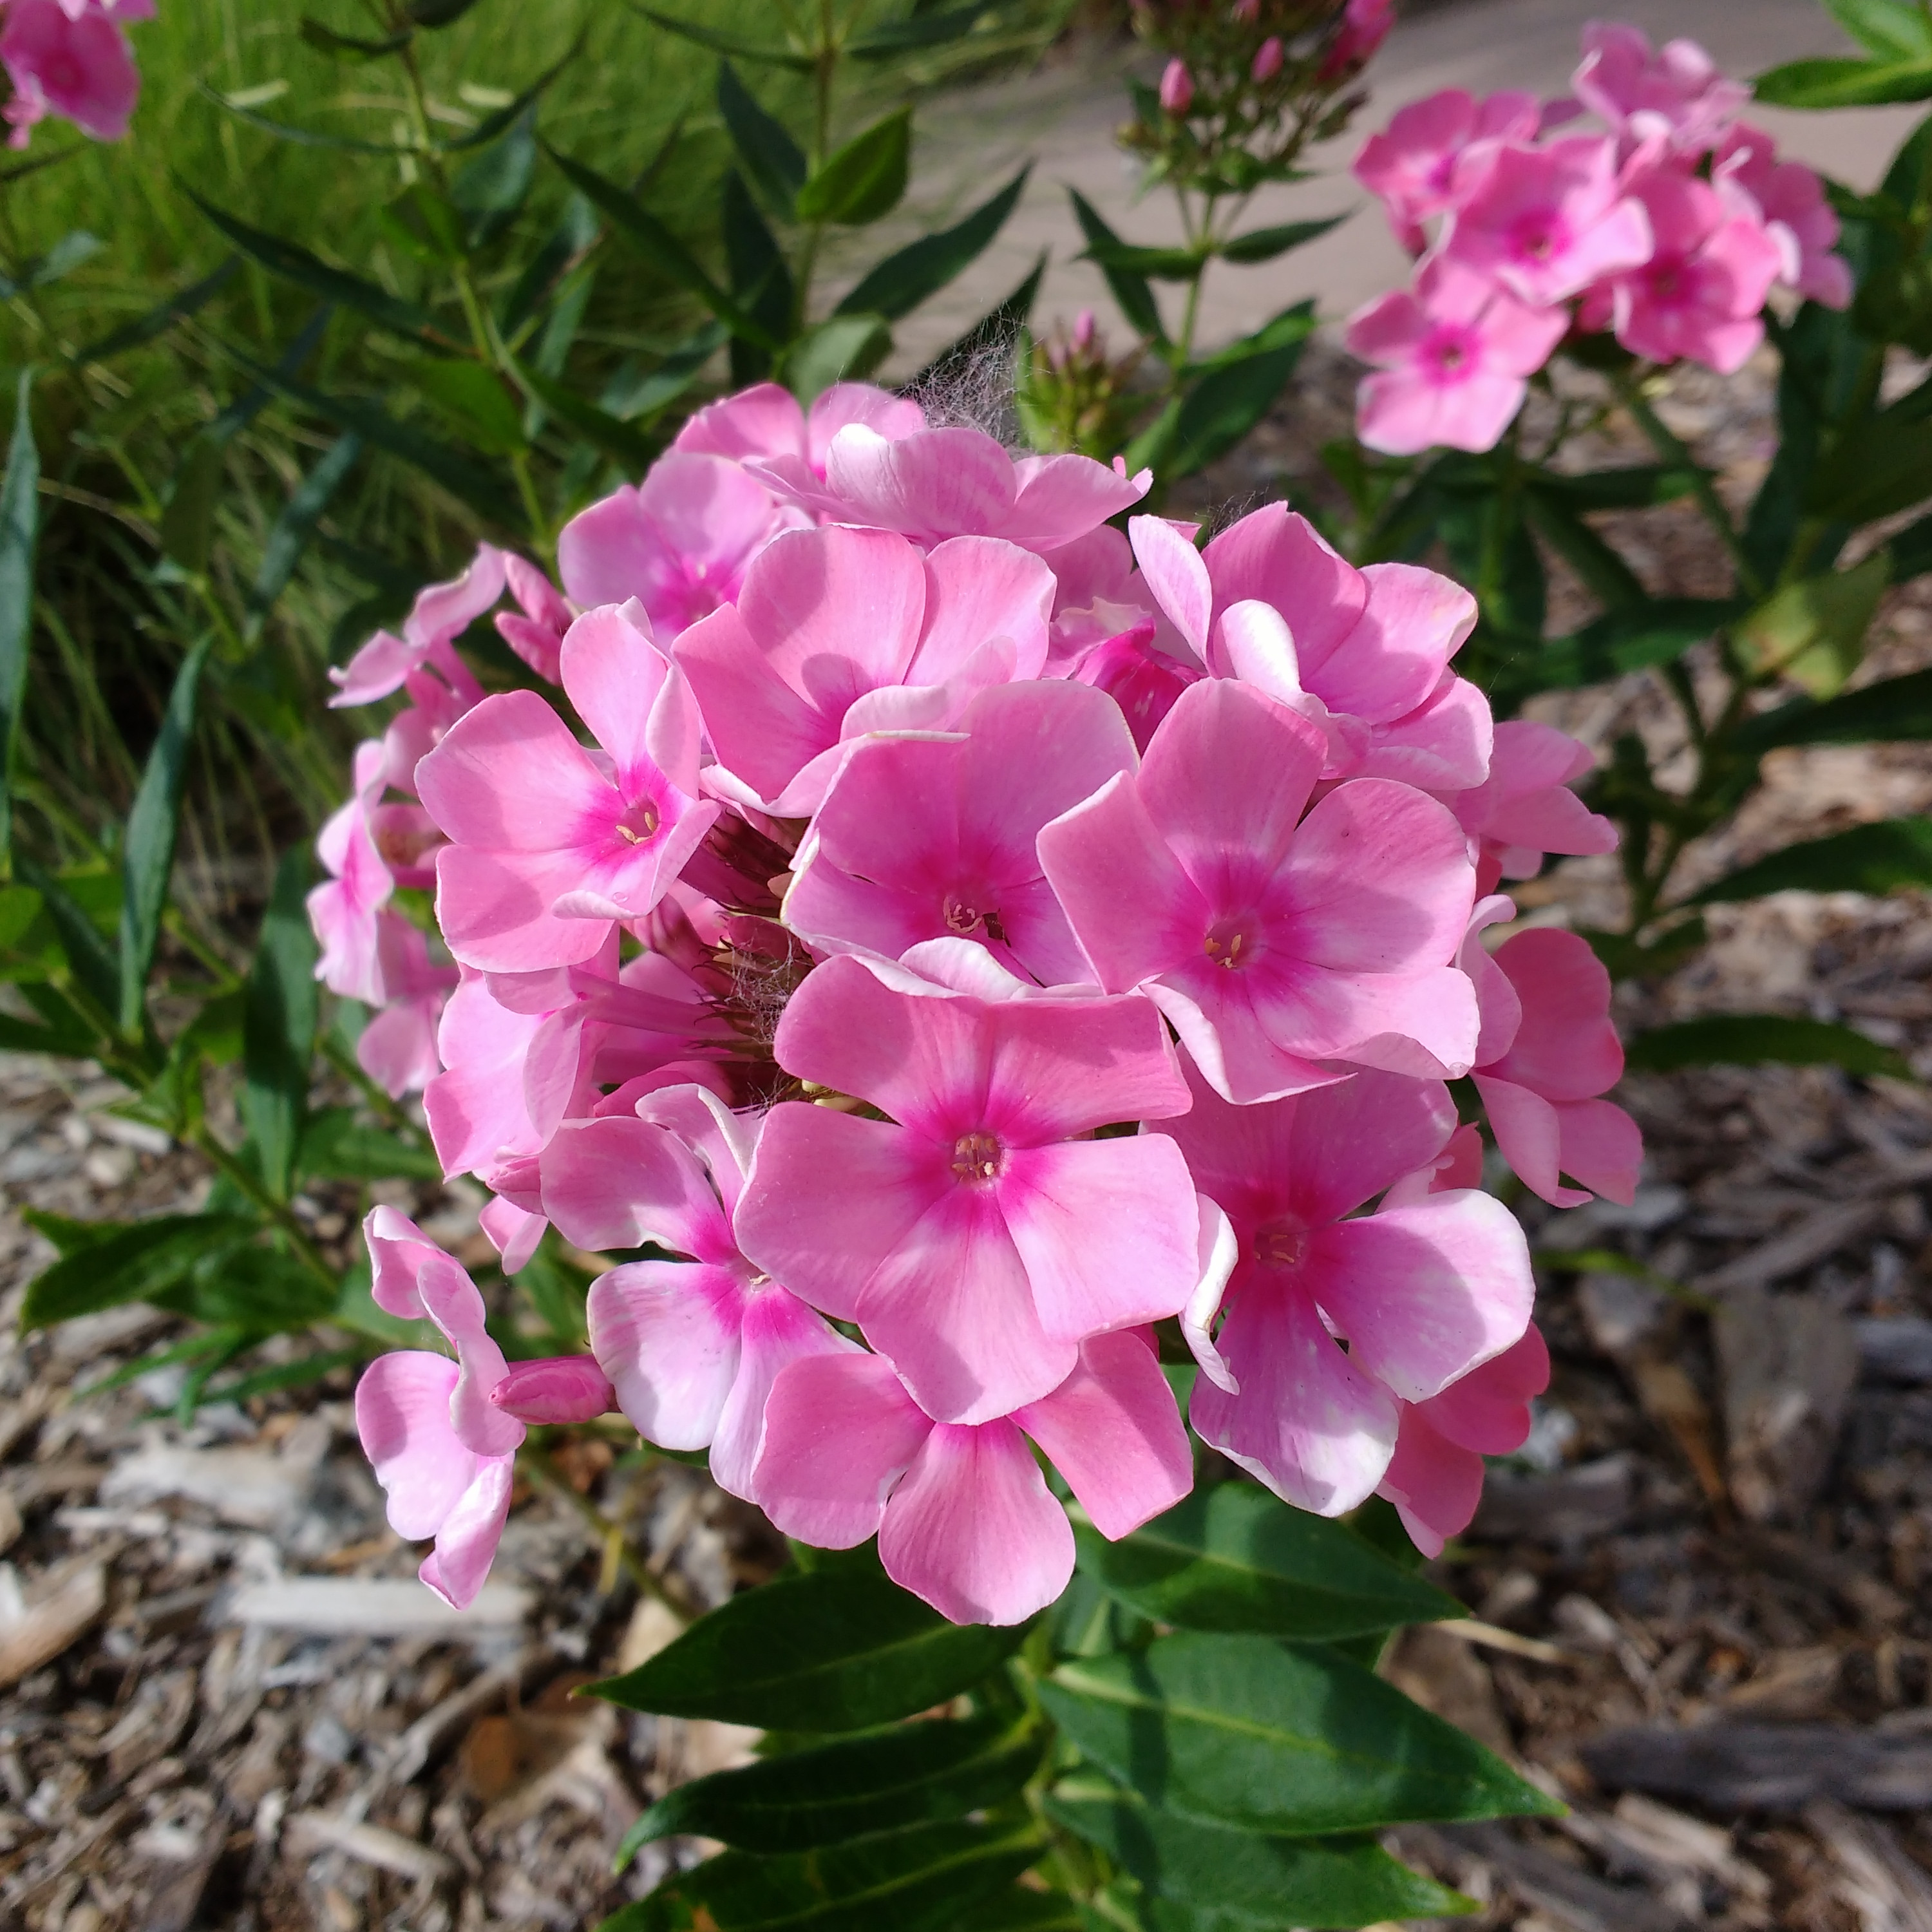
(1083, 330)
(1177, 88)
(1268, 58)
(560, 1388)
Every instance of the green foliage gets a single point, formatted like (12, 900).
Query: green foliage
(1757, 1039)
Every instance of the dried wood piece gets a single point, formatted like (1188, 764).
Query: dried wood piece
(1788, 1364)
(252, 1487)
(1889, 1891)
(1539, 1878)
(373, 1606)
(309, 1832)
(1594, 1499)
(1817, 1235)
(1895, 1348)
(1765, 1767)
(66, 1601)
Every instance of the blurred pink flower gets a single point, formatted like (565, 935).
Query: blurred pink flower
(1177, 88)
(1412, 167)
(767, 420)
(72, 62)
(1676, 93)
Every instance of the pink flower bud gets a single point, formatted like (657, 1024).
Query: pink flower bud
(1177, 88)
(1268, 58)
(1083, 330)
(561, 1388)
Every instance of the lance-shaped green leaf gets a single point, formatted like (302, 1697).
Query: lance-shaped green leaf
(865, 179)
(296, 526)
(1155, 265)
(1877, 468)
(293, 263)
(95, 971)
(241, 107)
(1897, 710)
(476, 403)
(842, 348)
(917, 1880)
(659, 246)
(438, 12)
(1021, 1909)
(732, 45)
(1634, 486)
(19, 525)
(898, 285)
(840, 1649)
(1846, 83)
(1129, 290)
(163, 316)
(633, 391)
(1813, 632)
(1899, 29)
(998, 328)
(912, 1774)
(925, 29)
(490, 187)
(616, 439)
(278, 1026)
(336, 1146)
(1658, 631)
(1867, 859)
(327, 40)
(1758, 1040)
(1234, 1558)
(1263, 244)
(1269, 1737)
(148, 857)
(188, 523)
(1267, 1879)
(1227, 402)
(767, 153)
(134, 1261)
(514, 109)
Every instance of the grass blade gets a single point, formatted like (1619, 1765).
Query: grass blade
(19, 522)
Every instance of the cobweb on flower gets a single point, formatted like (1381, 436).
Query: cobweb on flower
(972, 388)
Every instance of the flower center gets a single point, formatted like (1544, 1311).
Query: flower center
(1228, 945)
(962, 918)
(977, 1156)
(639, 823)
(1284, 1246)
(1536, 238)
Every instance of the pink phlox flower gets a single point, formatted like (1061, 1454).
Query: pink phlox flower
(1434, 1478)
(1284, 950)
(397, 1048)
(1547, 1050)
(963, 1515)
(442, 1451)
(442, 613)
(679, 542)
(398, 1251)
(939, 483)
(839, 632)
(923, 836)
(1422, 1291)
(1364, 655)
(1790, 199)
(535, 630)
(1366, 24)
(690, 1346)
(556, 1389)
(79, 67)
(1526, 808)
(346, 908)
(1454, 357)
(1411, 167)
(1702, 293)
(550, 844)
(1675, 90)
(767, 421)
(1143, 679)
(976, 1235)
(1096, 596)
(1545, 222)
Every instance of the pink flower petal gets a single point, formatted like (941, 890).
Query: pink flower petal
(1434, 1484)
(1488, 1410)
(978, 588)
(451, 1299)
(402, 1415)
(465, 1545)
(618, 1183)
(779, 1330)
(666, 1334)
(509, 776)
(1175, 574)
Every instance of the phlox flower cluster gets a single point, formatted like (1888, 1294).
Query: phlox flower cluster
(70, 58)
(1670, 227)
(941, 947)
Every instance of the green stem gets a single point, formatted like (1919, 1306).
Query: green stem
(237, 1175)
(542, 1468)
(1672, 447)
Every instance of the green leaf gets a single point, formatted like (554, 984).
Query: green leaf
(1900, 710)
(295, 263)
(242, 110)
(1233, 1558)
(260, 1291)
(1637, 487)
(842, 348)
(912, 1774)
(1158, 264)
(769, 156)
(730, 45)
(300, 1373)
(1814, 631)
(659, 246)
(95, 971)
(761, 279)
(1267, 1880)
(1263, 244)
(1846, 83)
(898, 285)
(1271, 1737)
(1021, 1909)
(999, 327)
(911, 1881)
(490, 187)
(438, 12)
(1657, 631)
(1130, 291)
(20, 525)
(336, 1146)
(348, 46)
(604, 432)
(865, 179)
(162, 317)
(1867, 859)
(62, 258)
(278, 1025)
(1757, 1039)
(134, 1261)
(70, 1236)
(891, 38)
(1227, 403)
(633, 392)
(1899, 29)
(1880, 467)
(188, 523)
(478, 406)
(148, 858)
(296, 525)
(839, 1649)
